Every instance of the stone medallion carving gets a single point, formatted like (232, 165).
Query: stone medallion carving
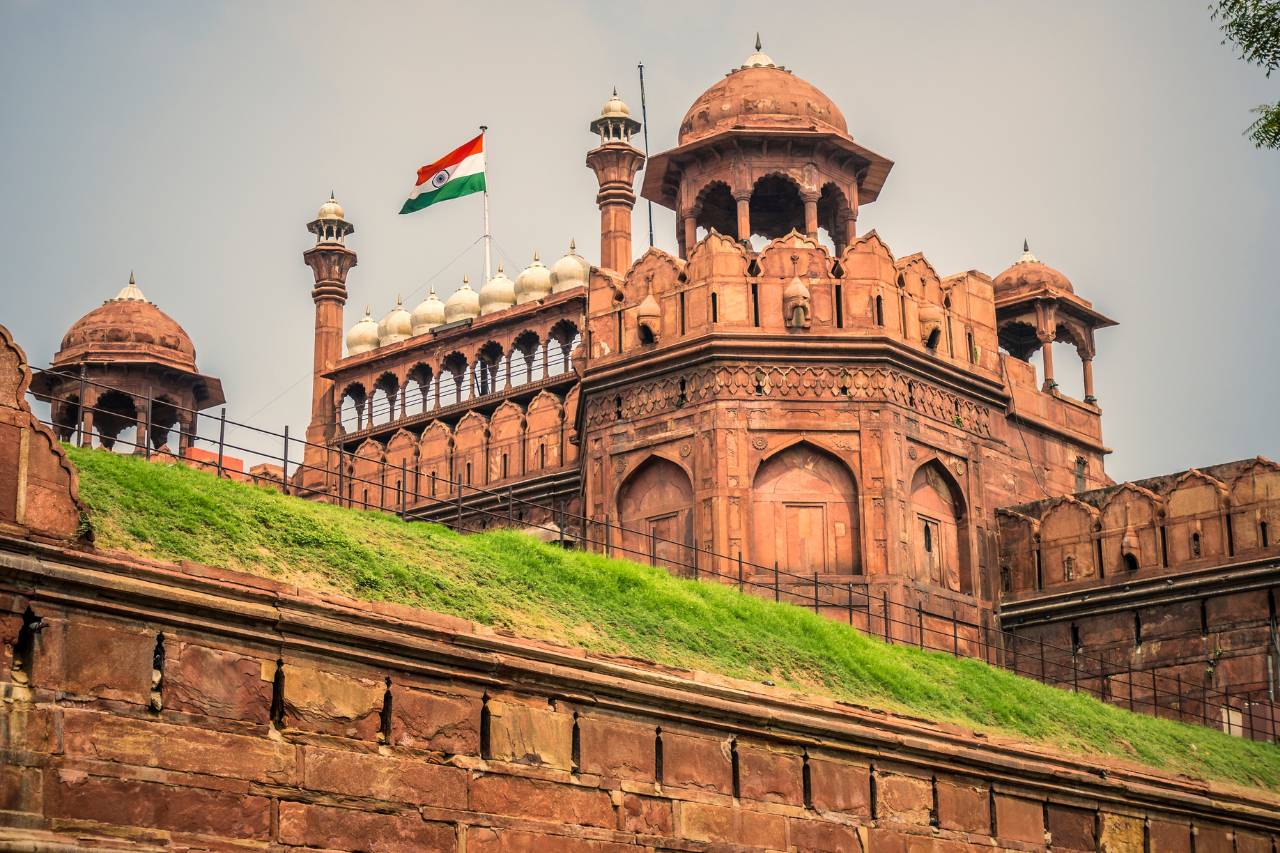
(911, 451)
(686, 449)
(759, 442)
(619, 464)
(959, 469)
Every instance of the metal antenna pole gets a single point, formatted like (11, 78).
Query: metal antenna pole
(484, 145)
(644, 117)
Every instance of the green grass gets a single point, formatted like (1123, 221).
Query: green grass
(509, 580)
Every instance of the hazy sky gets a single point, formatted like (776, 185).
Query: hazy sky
(191, 143)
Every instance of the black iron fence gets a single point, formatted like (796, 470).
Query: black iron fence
(464, 507)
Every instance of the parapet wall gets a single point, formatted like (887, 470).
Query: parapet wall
(159, 707)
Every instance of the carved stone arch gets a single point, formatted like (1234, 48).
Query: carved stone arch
(1067, 552)
(716, 208)
(654, 503)
(804, 511)
(940, 540)
(1131, 517)
(1255, 495)
(1196, 519)
(777, 204)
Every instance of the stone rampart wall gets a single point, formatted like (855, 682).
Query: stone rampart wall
(155, 707)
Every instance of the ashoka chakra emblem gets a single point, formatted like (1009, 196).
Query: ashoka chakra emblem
(440, 179)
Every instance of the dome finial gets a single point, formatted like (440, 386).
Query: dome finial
(131, 276)
(535, 254)
(464, 278)
(499, 266)
(615, 91)
(433, 288)
(572, 247)
(757, 41)
(399, 301)
(1025, 247)
(366, 310)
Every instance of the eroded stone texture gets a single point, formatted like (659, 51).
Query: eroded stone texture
(528, 735)
(432, 721)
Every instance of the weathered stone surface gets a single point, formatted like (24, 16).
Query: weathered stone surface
(1170, 837)
(486, 840)
(431, 721)
(964, 807)
(1247, 842)
(217, 683)
(533, 798)
(697, 762)
(903, 799)
(394, 779)
(528, 735)
(1018, 819)
(303, 825)
(1071, 828)
(75, 795)
(816, 836)
(771, 776)
(1121, 834)
(617, 750)
(152, 744)
(1210, 839)
(110, 662)
(21, 789)
(646, 815)
(840, 787)
(699, 822)
(331, 703)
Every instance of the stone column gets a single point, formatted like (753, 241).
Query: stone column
(744, 215)
(690, 233)
(1046, 345)
(615, 164)
(1088, 380)
(810, 214)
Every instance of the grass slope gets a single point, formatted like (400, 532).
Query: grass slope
(509, 580)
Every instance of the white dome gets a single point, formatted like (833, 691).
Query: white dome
(396, 326)
(463, 305)
(534, 283)
(570, 271)
(498, 294)
(363, 336)
(428, 314)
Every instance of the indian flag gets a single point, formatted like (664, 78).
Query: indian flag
(456, 174)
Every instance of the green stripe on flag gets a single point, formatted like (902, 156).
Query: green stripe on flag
(455, 188)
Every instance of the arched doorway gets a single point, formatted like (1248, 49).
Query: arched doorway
(940, 544)
(805, 513)
(655, 510)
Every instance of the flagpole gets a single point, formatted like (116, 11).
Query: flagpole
(488, 265)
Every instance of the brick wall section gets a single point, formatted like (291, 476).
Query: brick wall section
(189, 708)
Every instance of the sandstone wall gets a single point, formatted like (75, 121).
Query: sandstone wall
(158, 707)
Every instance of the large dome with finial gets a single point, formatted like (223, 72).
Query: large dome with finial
(761, 95)
(127, 326)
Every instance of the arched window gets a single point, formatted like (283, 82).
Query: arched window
(504, 466)
(938, 510)
(805, 513)
(715, 308)
(1195, 545)
(879, 310)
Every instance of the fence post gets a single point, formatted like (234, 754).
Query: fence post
(561, 525)
(1075, 672)
(1043, 672)
(775, 581)
(851, 607)
(80, 407)
(884, 597)
(815, 592)
(459, 527)
(341, 473)
(1155, 696)
(1180, 697)
(404, 486)
(1131, 686)
(511, 507)
(284, 470)
(222, 436)
(608, 537)
(955, 636)
(653, 547)
(1013, 643)
(146, 435)
(739, 570)
(1226, 708)
(920, 624)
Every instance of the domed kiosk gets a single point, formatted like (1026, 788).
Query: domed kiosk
(763, 152)
(130, 364)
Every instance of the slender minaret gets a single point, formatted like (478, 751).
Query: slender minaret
(615, 163)
(330, 261)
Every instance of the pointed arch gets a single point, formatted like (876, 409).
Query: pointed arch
(655, 511)
(939, 529)
(804, 512)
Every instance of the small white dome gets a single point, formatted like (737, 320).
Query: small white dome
(428, 314)
(330, 210)
(464, 304)
(396, 326)
(498, 294)
(363, 336)
(534, 283)
(570, 271)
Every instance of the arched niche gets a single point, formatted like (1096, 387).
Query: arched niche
(939, 534)
(655, 510)
(805, 513)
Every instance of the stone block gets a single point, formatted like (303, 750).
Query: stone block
(330, 703)
(1020, 820)
(93, 659)
(534, 799)
(770, 775)
(525, 735)
(964, 807)
(489, 840)
(26, 728)
(715, 824)
(617, 750)
(20, 789)
(304, 825)
(1169, 837)
(425, 720)
(146, 743)
(1249, 843)
(840, 787)
(216, 683)
(75, 795)
(400, 780)
(1210, 839)
(881, 840)
(1071, 828)
(903, 799)
(646, 815)
(702, 763)
(817, 836)
(1121, 834)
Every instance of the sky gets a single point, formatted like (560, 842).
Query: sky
(190, 143)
